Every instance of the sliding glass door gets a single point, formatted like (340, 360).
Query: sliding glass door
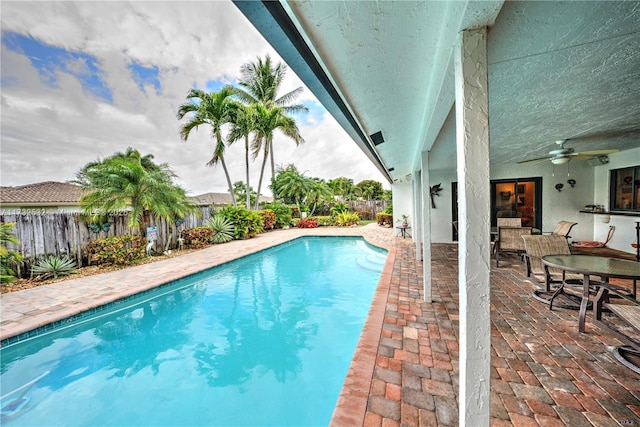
(510, 198)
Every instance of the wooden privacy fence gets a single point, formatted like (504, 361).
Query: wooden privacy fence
(60, 234)
(369, 208)
(44, 234)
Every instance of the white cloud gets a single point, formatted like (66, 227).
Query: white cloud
(49, 133)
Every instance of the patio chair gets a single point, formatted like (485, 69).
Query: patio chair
(510, 241)
(627, 310)
(509, 222)
(537, 246)
(563, 228)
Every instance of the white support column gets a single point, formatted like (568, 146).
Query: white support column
(426, 227)
(472, 142)
(417, 214)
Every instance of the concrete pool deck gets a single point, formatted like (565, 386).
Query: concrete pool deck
(405, 368)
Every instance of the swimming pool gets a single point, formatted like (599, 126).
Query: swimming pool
(264, 340)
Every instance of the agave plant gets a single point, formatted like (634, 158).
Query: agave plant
(54, 266)
(222, 228)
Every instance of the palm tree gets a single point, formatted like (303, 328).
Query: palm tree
(242, 124)
(291, 184)
(319, 192)
(213, 109)
(268, 120)
(260, 83)
(131, 181)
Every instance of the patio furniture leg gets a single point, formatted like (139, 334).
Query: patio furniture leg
(584, 303)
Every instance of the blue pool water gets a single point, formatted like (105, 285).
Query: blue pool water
(262, 341)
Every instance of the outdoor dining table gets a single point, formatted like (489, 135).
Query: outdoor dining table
(587, 265)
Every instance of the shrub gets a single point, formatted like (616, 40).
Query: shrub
(283, 213)
(119, 250)
(222, 229)
(8, 258)
(268, 219)
(325, 221)
(198, 237)
(54, 266)
(308, 223)
(384, 218)
(389, 209)
(346, 219)
(246, 223)
(339, 208)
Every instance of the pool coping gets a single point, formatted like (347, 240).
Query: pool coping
(351, 406)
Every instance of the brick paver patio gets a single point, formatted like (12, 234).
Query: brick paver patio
(405, 369)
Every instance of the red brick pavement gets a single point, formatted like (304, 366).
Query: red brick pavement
(543, 372)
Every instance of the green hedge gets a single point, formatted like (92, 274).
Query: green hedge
(384, 218)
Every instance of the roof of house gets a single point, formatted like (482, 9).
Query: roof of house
(212, 199)
(42, 192)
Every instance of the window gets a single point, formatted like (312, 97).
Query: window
(625, 189)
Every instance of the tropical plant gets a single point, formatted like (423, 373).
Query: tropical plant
(222, 229)
(198, 237)
(8, 258)
(246, 223)
(343, 189)
(384, 218)
(243, 123)
(319, 193)
(54, 266)
(339, 208)
(119, 250)
(213, 109)
(325, 221)
(282, 211)
(240, 190)
(268, 218)
(260, 83)
(291, 185)
(404, 220)
(370, 189)
(268, 120)
(307, 223)
(346, 219)
(131, 182)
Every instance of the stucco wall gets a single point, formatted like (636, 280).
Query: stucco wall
(592, 187)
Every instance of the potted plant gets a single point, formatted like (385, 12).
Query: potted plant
(404, 220)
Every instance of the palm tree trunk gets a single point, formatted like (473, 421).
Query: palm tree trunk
(246, 161)
(273, 173)
(264, 162)
(226, 173)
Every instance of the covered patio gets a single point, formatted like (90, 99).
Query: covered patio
(543, 372)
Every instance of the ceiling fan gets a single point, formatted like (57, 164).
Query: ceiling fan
(564, 154)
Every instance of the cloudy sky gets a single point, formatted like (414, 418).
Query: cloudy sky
(82, 80)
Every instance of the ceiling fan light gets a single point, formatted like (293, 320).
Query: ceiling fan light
(560, 160)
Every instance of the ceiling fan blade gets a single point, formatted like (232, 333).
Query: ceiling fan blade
(538, 160)
(595, 152)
